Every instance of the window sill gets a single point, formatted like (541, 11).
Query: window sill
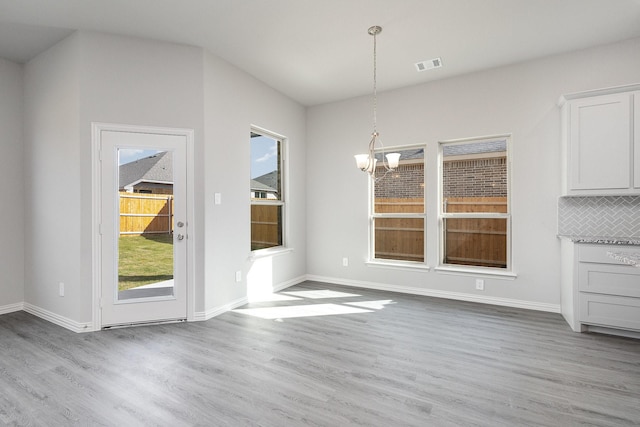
(397, 265)
(476, 272)
(262, 253)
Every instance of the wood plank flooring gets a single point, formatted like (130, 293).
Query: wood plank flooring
(326, 356)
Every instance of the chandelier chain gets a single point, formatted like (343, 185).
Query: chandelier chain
(367, 162)
(375, 85)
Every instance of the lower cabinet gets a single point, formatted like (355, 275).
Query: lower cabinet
(610, 311)
(598, 290)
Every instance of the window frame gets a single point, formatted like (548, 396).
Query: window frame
(442, 216)
(281, 201)
(388, 262)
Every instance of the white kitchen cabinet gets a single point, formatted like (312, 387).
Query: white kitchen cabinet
(600, 293)
(602, 142)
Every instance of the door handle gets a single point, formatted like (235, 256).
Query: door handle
(180, 236)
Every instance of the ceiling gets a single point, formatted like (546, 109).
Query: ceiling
(318, 51)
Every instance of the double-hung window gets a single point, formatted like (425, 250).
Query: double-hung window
(475, 219)
(267, 190)
(398, 209)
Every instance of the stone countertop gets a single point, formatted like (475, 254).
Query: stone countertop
(632, 241)
(631, 258)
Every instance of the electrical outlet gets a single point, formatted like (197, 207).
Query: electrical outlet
(238, 276)
(480, 284)
(345, 262)
(61, 289)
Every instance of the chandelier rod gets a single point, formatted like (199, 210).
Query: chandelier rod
(374, 31)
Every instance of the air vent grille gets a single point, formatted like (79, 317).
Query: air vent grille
(429, 64)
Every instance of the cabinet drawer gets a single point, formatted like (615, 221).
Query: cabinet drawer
(608, 310)
(598, 253)
(623, 280)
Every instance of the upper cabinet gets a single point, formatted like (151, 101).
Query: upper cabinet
(601, 131)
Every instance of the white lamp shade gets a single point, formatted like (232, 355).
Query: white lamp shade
(362, 160)
(393, 159)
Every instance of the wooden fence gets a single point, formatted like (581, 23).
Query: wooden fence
(468, 241)
(399, 238)
(476, 241)
(146, 213)
(265, 226)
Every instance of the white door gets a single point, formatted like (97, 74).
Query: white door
(143, 226)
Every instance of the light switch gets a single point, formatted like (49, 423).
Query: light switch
(217, 198)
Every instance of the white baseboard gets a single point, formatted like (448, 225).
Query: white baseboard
(65, 322)
(10, 308)
(216, 311)
(289, 283)
(506, 302)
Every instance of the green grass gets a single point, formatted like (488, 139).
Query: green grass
(144, 259)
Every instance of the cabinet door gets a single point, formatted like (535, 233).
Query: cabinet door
(600, 143)
(636, 142)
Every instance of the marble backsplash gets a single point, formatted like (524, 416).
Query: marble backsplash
(605, 216)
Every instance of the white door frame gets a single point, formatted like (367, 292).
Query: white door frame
(96, 196)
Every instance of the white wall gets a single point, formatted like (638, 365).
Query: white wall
(520, 100)
(94, 77)
(12, 188)
(52, 180)
(234, 101)
(134, 81)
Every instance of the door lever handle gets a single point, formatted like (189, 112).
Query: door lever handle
(180, 236)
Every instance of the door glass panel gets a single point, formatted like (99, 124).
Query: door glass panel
(145, 242)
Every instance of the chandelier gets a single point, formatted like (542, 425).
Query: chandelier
(367, 162)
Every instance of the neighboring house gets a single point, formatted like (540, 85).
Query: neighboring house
(151, 175)
(265, 186)
(468, 169)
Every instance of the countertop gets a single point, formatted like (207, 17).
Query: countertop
(631, 241)
(631, 258)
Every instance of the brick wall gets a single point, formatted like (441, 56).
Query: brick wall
(407, 181)
(475, 178)
(462, 178)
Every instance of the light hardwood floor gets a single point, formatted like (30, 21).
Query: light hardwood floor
(327, 356)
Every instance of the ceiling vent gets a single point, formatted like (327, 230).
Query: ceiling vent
(429, 65)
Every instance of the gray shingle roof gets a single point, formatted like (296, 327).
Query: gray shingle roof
(268, 179)
(156, 168)
(414, 153)
(475, 148)
(258, 186)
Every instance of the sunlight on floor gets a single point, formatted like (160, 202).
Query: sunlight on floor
(374, 305)
(272, 298)
(307, 310)
(320, 294)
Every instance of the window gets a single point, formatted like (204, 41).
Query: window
(475, 221)
(398, 209)
(267, 198)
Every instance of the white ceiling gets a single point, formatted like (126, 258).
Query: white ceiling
(317, 51)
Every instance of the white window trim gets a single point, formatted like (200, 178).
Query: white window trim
(474, 270)
(282, 201)
(269, 252)
(372, 261)
(398, 265)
